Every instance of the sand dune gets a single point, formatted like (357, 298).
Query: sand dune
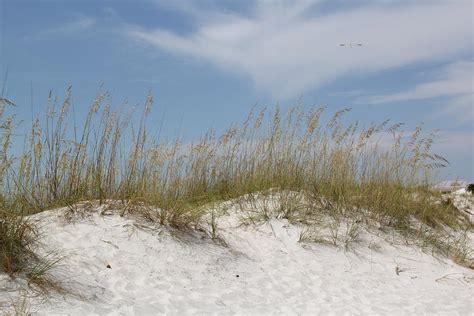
(116, 265)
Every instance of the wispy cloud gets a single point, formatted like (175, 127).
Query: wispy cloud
(348, 93)
(458, 148)
(460, 108)
(454, 83)
(455, 79)
(289, 47)
(76, 26)
(455, 143)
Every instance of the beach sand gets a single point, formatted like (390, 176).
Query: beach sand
(117, 265)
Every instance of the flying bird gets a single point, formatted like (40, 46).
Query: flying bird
(350, 44)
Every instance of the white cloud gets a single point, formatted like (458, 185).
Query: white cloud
(79, 25)
(288, 49)
(458, 148)
(456, 79)
(455, 83)
(454, 143)
(460, 108)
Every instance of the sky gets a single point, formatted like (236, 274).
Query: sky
(210, 62)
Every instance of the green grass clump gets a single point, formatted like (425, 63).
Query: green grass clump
(17, 237)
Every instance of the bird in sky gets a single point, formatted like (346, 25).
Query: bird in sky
(350, 44)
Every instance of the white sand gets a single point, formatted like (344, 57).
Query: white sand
(463, 201)
(263, 270)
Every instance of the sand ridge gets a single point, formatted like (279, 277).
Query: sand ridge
(122, 267)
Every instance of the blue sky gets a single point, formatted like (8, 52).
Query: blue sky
(209, 62)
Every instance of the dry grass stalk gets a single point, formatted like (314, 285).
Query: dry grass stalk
(342, 167)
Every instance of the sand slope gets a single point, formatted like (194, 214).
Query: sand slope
(262, 270)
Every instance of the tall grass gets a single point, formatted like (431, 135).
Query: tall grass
(18, 234)
(377, 171)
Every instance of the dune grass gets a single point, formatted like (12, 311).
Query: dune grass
(376, 174)
(17, 238)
